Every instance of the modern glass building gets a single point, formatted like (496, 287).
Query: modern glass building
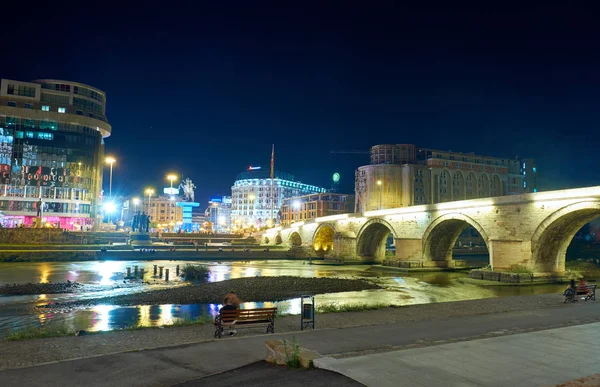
(51, 152)
(255, 196)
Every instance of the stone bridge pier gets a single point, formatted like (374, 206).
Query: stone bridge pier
(531, 231)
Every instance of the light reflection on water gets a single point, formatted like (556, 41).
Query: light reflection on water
(17, 312)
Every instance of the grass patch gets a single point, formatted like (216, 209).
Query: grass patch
(518, 269)
(40, 333)
(292, 360)
(184, 322)
(333, 307)
(578, 269)
(195, 272)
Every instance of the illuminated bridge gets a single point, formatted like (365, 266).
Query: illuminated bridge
(530, 230)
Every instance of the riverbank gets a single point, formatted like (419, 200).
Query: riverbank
(15, 354)
(63, 287)
(129, 255)
(255, 289)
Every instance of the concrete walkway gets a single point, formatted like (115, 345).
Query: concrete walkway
(543, 358)
(167, 366)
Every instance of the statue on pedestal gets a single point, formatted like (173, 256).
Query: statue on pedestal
(188, 189)
(39, 208)
(135, 222)
(147, 223)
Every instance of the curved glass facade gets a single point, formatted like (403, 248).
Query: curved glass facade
(51, 153)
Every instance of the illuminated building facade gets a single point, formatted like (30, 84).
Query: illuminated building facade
(219, 210)
(402, 175)
(164, 211)
(296, 209)
(254, 196)
(51, 149)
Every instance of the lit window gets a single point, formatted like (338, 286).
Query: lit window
(46, 108)
(524, 184)
(62, 110)
(534, 169)
(535, 190)
(12, 103)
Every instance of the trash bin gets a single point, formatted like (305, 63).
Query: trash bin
(307, 313)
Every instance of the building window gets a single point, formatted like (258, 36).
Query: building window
(27, 106)
(46, 108)
(534, 169)
(12, 103)
(62, 110)
(79, 112)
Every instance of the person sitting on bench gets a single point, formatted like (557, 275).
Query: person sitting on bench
(231, 302)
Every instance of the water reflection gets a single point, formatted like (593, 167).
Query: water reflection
(17, 312)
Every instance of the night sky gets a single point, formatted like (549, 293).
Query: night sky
(205, 91)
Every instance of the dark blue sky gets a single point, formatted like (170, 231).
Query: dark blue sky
(205, 90)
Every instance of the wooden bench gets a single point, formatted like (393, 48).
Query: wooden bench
(588, 292)
(245, 318)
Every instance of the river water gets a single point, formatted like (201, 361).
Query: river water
(19, 312)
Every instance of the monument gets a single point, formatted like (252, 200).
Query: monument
(140, 227)
(187, 186)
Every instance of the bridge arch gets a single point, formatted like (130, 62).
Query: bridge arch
(295, 239)
(371, 239)
(441, 235)
(278, 239)
(553, 236)
(323, 237)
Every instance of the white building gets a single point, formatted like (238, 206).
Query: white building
(256, 197)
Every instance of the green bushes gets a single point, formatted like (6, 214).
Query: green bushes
(195, 272)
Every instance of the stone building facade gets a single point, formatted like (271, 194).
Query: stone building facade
(404, 175)
(300, 208)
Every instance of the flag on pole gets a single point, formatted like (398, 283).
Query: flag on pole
(273, 161)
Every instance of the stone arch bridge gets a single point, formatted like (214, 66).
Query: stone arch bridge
(530, 230)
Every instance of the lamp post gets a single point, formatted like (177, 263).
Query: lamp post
(149, 191)
(110, 160)
(136, 201)
(379, 183)
(172, 178)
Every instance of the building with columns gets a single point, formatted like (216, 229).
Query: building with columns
(51, 152)
(402, 175)
(255, 196)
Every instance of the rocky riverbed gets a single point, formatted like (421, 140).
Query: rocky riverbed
(257, 289)
(62, 287)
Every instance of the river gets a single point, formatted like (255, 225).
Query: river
(19, 312)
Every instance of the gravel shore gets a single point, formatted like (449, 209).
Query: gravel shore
(257, 289)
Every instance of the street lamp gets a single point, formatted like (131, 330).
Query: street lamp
(136, 201)
(172, 178)
(149, 192)
(379, 183)
(110, 160)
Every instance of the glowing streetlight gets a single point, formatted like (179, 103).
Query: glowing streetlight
(110, 160)
(149, 192)
(380, 184)
(136, 202)
(172, 178)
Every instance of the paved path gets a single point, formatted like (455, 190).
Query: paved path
(542, 358)
(167, 366)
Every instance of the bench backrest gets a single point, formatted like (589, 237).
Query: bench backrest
(249, 314)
